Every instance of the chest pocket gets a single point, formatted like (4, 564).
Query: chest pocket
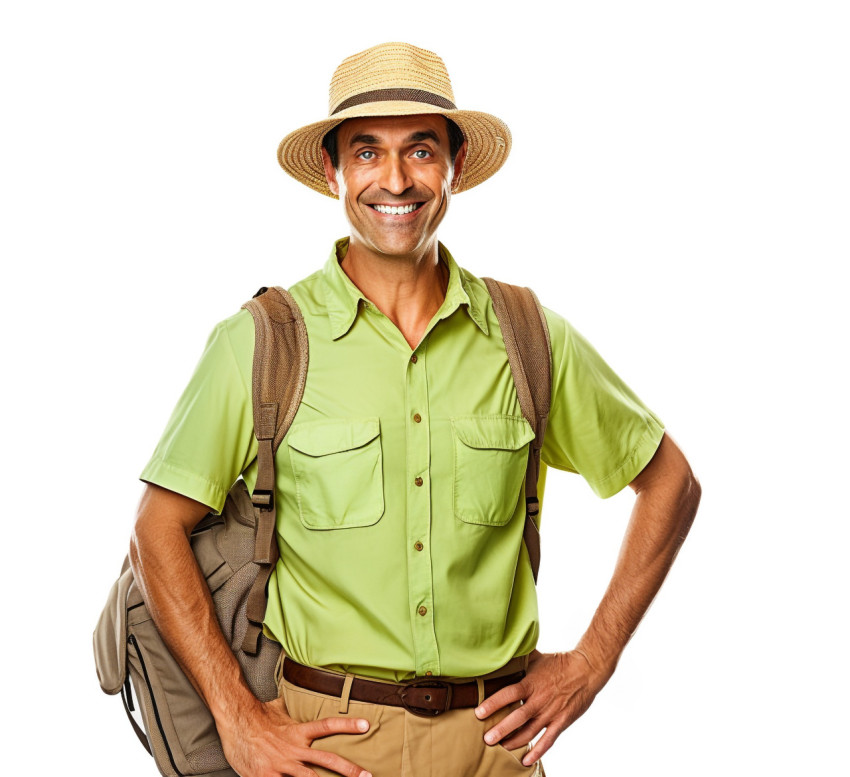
(491, 455)
(338, 470)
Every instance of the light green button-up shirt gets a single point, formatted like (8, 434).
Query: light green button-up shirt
(400, 482)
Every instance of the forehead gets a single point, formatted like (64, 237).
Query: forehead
(392, 128)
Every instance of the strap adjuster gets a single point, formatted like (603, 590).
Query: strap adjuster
(262, 498)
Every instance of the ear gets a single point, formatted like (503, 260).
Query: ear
(330, 172)
(460, 159)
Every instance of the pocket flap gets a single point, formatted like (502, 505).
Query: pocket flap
(506, 432)
(110, 637)
(319, 438)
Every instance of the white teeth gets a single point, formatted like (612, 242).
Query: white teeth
(395, 210)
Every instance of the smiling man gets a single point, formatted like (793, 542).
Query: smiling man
(401, 512)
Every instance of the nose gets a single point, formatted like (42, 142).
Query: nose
(394, 177)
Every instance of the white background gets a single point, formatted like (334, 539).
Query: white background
(678, 189)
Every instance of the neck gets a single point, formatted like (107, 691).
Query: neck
(407, 289)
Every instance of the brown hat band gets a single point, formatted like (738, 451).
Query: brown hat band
(407, 95)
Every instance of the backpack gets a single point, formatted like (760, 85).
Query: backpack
(237, 550)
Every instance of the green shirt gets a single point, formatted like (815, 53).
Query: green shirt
(399, 484)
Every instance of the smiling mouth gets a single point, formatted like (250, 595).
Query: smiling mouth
(397, 210)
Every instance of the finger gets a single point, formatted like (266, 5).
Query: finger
(508, 724)
(541, 746)
(337, 764)
(523, 735)
(508, 694)
(314, 729)
(300, 771)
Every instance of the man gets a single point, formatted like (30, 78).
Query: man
(400, 481)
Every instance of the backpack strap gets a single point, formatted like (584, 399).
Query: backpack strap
(526, 337)
(278, 377)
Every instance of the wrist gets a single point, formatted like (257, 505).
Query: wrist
(232, 707)
(601, 661)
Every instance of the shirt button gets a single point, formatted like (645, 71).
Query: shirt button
(418, 545)
(422, 610)
(417, 418)
(428, 673)
(414, 358)
(418, 481)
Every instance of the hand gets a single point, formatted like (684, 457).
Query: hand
(271, 744)
(557, 689)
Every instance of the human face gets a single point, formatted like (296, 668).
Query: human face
(400, 162)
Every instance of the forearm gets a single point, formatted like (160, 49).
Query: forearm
(180, 604)
(662, 516)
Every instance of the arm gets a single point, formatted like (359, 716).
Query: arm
(559, 687)
(258, 739)
(667, 498)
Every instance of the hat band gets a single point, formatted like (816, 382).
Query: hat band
(386, 95)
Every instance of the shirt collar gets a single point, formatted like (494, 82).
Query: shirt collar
(343, 297)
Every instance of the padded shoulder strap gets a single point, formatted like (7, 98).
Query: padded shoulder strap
(526, 337)
(280, 360)
(278, 377)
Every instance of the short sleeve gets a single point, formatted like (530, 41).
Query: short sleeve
(598, 427)
(209, 439)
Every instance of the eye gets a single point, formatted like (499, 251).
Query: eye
(363, 155)
(421, 153)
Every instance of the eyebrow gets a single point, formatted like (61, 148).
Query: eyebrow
(367, 139)
(424, 135)
(416, 137)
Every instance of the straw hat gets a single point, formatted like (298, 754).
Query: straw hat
(395, 79)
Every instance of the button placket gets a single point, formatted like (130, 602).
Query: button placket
(420, 580)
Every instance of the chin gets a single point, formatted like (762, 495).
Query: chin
(397, 248)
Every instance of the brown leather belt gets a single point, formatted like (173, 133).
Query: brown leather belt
(426, 697)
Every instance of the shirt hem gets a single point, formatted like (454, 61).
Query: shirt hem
(633, 464)
(189, 484)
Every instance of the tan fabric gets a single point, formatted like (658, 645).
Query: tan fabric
(401, 744)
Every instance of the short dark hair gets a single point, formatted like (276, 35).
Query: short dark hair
(456, 139)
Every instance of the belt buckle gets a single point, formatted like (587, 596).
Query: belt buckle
(426, 712)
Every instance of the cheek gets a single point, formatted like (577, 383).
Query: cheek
(351, 189)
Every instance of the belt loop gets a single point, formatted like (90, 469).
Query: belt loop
(525, 662)
(346, 692)
(480, 682)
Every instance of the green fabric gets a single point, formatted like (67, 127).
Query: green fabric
(352, 592)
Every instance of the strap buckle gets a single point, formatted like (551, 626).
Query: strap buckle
(435, 695)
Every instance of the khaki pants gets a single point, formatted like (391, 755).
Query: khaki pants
(401, 744)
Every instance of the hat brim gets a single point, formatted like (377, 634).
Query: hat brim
(489, 142)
